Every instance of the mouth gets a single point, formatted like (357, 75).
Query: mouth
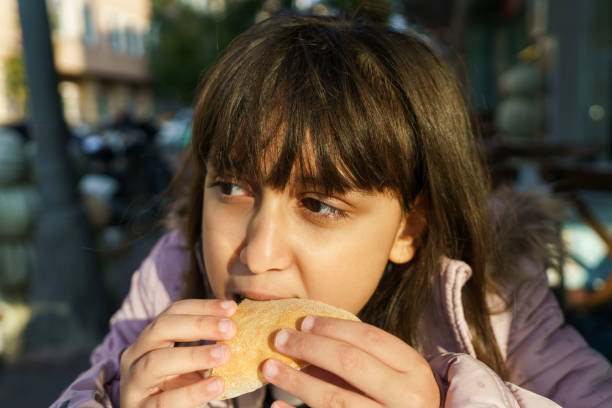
(252, 295)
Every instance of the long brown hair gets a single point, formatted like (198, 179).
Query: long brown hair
(354, 105)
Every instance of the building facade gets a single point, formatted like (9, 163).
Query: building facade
(100, 56)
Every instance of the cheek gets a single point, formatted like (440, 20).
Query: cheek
(346, 271)
(221, 237)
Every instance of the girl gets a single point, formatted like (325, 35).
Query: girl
(334, 160)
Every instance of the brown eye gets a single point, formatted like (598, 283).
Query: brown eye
(229, 189)
(321, 209)
(312, 205)
(226, 188)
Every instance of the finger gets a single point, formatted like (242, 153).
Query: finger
(328, 377)
(194, 395)
(203, 307)
(156, 366)
(381, 344)
(171, 328)
(312, 391)
(354, 365)
(281, 404)
(167, 329)
(182, 380)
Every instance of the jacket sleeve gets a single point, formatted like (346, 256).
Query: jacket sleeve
(466, 382)
(549, 357)
(99, 385)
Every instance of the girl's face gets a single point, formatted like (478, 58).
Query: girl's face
(262, 243)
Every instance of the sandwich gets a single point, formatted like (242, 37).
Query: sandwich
(257, 323)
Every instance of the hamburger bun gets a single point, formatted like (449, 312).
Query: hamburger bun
(257, 323)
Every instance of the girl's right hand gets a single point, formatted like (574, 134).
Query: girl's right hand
(154, 373)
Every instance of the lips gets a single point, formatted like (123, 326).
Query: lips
(253, 295)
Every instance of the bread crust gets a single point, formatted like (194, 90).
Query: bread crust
(257, 322)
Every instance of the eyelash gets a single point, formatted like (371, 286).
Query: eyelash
(221, 184)
(333, 212)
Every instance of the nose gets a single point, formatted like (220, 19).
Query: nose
(266, 247)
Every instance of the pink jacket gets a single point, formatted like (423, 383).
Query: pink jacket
(549, 362)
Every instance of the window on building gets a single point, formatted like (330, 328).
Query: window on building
(102, 102)
(114, 33)
(90, 35)
(114, 39)
(132, 40)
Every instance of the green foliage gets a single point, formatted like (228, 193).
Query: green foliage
(185, 42)
(373, 10)
(16, 79)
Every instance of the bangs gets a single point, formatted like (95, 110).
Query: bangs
(314, 106)
(309, 154)
(286, 158)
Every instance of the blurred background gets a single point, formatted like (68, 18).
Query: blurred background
(95, 111)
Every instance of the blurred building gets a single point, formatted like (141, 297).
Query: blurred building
(206, 6)
(580, 81)
(99, 48)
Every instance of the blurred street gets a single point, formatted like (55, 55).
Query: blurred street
(37, 380)
(96, 110)
(38, 384)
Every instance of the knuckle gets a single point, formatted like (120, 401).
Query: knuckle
(194, 354)
(425, 367)
(325, 325)
(421, 366)
(333, 399)
(147, 363)
(290, 377)
(299, 344)
(124, 359)
(160, 402)
(191, 394)
(198, 354)
(156, 325)
(373, 336)
(201, 323)
(350, 358)
(126, 397)
(195, 393)
(419, 400)
(175, 305)
(155, 400)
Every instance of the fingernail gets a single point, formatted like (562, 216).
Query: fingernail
(281, 338)
(307, 323)
(270, 370)
(225, 325)
(227, 304)
(217, 352)
(214, 385)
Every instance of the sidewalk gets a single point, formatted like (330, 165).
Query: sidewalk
(38, 384)
(39, 381)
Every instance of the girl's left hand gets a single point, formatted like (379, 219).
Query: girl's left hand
(366, 367)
